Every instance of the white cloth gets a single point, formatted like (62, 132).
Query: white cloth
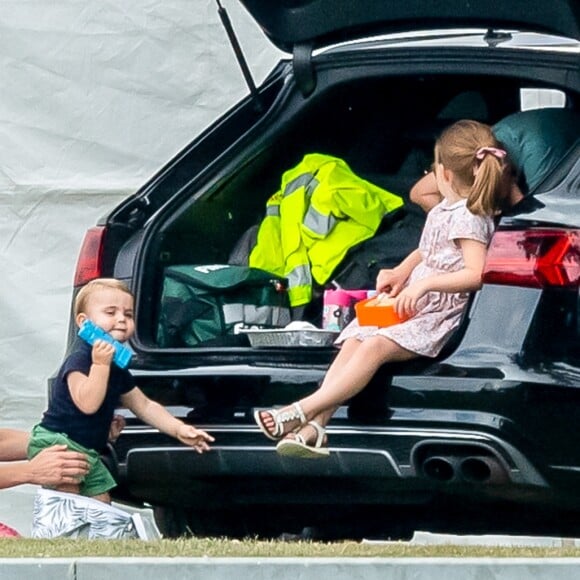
(64, 515)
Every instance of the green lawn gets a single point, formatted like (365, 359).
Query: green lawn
(28, 548)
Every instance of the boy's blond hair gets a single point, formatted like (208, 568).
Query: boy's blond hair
(94, 286)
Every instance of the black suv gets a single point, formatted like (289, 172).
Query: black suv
(483, 438)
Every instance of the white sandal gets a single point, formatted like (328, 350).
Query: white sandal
(294, 413)
(294, 445)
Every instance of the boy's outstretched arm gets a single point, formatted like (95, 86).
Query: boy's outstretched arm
(157, 416)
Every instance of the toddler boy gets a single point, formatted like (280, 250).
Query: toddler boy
(89, 387)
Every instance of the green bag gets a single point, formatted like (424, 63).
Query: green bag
(208, 303)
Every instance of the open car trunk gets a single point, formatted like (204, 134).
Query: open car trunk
(384, 128)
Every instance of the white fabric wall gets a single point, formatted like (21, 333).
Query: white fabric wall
(94, 98)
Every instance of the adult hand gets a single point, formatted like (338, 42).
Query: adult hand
(57, 465)
(117, 425)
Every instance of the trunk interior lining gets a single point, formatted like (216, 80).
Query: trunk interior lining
(385, 130)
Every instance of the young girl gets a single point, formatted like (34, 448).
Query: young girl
(431, 285)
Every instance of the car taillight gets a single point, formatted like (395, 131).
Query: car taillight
(89, 263)
(536, 258)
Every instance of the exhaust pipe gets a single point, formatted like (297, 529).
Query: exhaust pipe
(477, 469)
(482, 469)
(439, 468)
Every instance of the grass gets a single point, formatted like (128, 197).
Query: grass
(222, 548)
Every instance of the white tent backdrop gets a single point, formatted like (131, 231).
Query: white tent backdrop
(95, 97)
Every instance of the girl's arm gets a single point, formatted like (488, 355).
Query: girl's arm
(467, 279)
(157, 416)
(88, 391)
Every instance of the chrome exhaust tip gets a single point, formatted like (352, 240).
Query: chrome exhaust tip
(461, 467)
(439, 468)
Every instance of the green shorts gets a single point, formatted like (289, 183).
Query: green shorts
(97, 481)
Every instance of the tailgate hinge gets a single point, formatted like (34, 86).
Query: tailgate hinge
(303, 68)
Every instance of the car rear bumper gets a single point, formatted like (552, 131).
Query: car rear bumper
(367, 465)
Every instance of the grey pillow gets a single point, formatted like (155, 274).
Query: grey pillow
(537, 140)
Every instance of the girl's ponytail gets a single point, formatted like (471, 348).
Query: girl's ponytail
(470, 150)
(489, 189)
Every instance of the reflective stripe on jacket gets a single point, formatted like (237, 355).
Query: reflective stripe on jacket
(321, 210)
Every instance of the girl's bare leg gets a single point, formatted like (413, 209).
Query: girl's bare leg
(350, 372)
(352, 377)
(347, 350)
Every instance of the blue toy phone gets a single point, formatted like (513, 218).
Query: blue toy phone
(90, 332)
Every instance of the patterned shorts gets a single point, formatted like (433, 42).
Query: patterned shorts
(64, 515)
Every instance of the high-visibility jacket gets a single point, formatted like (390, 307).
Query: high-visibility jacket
(321, 210)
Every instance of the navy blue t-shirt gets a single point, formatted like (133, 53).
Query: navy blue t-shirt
(63, 416)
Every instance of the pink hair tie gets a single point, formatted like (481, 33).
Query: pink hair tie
(483, 151)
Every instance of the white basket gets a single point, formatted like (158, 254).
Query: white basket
(290, 338)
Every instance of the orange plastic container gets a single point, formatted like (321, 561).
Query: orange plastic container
(377, 311)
